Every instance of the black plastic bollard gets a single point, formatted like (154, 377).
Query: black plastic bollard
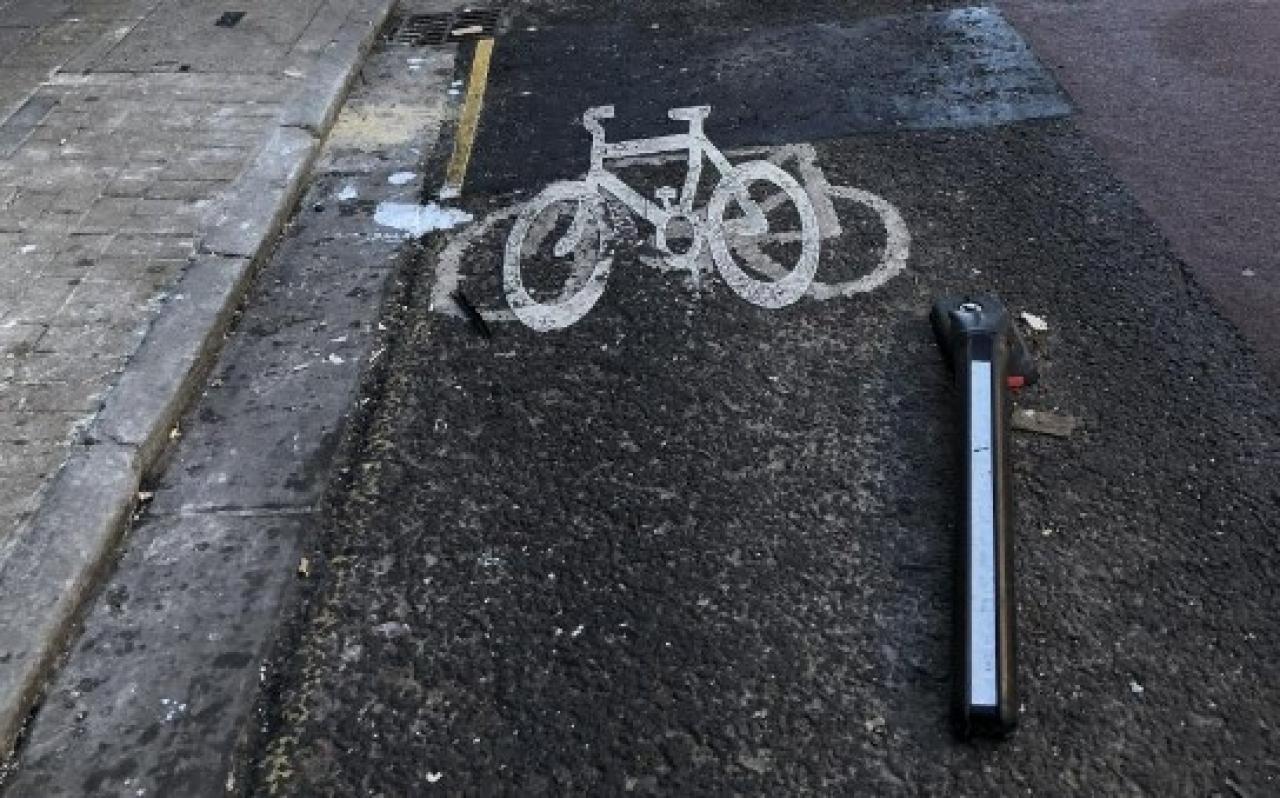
(988, 359)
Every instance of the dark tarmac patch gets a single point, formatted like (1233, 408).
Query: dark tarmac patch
(766, 85)
(676, 15)
(690, 546)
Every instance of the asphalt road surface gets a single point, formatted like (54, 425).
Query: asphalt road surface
(692, 545)
(1179, 96)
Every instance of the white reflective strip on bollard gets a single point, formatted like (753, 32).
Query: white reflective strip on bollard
(982, 554)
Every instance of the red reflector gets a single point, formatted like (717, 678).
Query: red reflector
(1015, 381)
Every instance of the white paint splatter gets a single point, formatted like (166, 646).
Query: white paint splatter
(348, 192)
(28, 248)
(415, 220)
(400, 178)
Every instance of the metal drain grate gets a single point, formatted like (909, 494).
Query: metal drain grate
(419, 30)
(473, 23)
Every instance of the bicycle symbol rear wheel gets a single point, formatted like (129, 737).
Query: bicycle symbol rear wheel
(561, 248)
(795, 280)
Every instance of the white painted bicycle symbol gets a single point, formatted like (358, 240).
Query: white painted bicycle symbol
(762, 227)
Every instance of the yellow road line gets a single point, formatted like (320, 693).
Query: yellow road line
(469, 120)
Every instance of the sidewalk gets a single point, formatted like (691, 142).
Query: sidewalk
(149, 151)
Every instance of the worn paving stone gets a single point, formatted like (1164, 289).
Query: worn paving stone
(84, 245)
(56, 366)
(78, 199)
(34, 13)
(17, 339)
(24, 469)
(166, 188)
(16, 86)
(25, 208)
(56, 44)
(183, 33)
(155, 271)
(24, 427)
(12, 38)
(102, 343)
(135, 181)
(82, 397)
(145, 247)
(106, 214)
(42, 299)
(114, 10)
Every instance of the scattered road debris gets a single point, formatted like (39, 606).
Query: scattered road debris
(1034, 322)
(477, 321)
(392, 629)
(1058, 425)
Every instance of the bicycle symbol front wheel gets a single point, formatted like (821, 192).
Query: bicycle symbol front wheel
(558, 257)
(779, 195)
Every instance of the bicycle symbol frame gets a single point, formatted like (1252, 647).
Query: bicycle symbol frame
(709, 226)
